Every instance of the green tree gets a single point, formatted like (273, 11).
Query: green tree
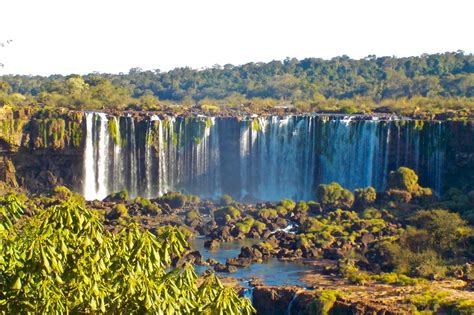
(333, 196)
(62, 260)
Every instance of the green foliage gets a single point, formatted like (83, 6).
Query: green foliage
(448, 232)
(364, 197)
(64, 261)
(371, 213)
(114, 131)
(282, 211)
(398, 279)
(302, 207)
(413, 256)
(118, 211)
(192, 215)
(324, 301)
(227, 214)
(403, 179)
(227, 200)
(174, 199)
(310, 79)
(147, 206)
(349, 271)
(455, 200)
(243, 227)
(63, 193)
(11, 209)
(314, 207)
(117, 196)
(416, 86)
(259, 226)
(333, 196)
(428, 301)
(288, 204)
(268, 214)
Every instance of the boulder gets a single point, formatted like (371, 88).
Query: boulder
(239, 262)
(212, 244)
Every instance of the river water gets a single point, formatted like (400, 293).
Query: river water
(272, 272)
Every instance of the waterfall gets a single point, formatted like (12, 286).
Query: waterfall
(162, 160)
(150, 179)
(89, 183)
(277, 158)
(102, 157)
(290, 305)
(247, 292)
(133, 187)
(264, 158)
(117, 156)
(96, 156)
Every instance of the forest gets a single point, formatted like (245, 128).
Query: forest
(428, 84)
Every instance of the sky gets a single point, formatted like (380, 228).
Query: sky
(113, 36)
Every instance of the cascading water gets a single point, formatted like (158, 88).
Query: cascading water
(290, 305)
(265, 158)
(96, 156)
(89, 186)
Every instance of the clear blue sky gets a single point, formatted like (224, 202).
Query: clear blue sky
(54, 36)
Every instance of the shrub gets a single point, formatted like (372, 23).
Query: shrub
(147, 206)
(268, 214)
(447, 230)
(371, 213)
(192, 215)
(403, 179)
(401, 259)
(302, 207)
(227, 214)
(311, 225)
(174, 199)
(398, 196)
(243, 227)
(63, 193)
(259, 226)
(117, 196)
(428, 301)
(249, 220)
(118, 211)
(302, 241)
(227, 200)
(397, 279)
(193, 199)
(333, 196)
(324, 301)
(288, 204)
(364, 197)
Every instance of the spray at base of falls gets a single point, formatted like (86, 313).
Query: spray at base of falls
(261, 158)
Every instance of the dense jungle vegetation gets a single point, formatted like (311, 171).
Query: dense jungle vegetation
(56, 257)
(428, 84)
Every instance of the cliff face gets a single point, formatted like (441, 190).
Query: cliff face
(264, 158)
(40, 149)
(269, 300)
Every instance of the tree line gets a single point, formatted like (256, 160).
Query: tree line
(311, 83)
